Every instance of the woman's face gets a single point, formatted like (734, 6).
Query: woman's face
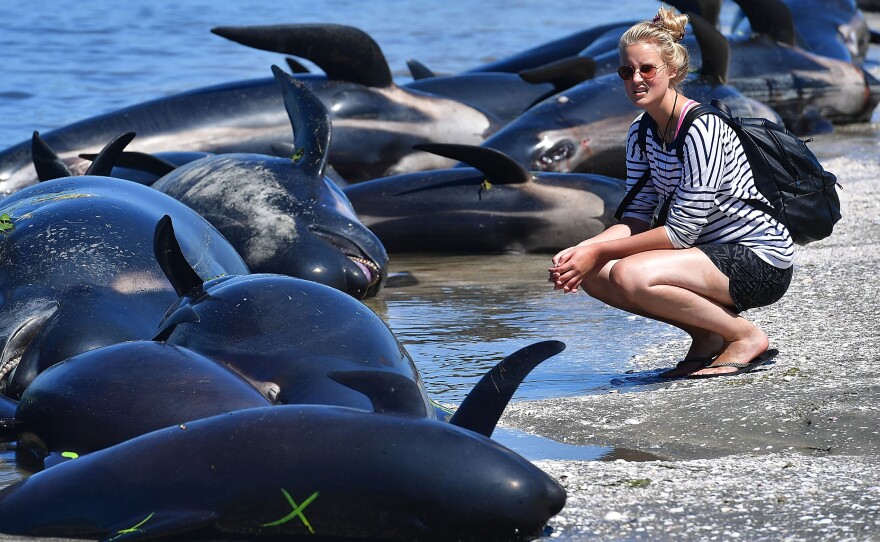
(643, 89)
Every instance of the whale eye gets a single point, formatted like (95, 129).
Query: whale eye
(547, 161)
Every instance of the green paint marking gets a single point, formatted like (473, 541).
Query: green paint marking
(136, 528)
(6, 223)
(297, 511)
(485, 185)
(298, 154)
(69, 455)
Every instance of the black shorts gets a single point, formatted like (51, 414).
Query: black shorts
(753, 282)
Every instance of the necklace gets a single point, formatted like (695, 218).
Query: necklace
(666, 133)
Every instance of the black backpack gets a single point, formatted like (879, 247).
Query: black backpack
(802, 195)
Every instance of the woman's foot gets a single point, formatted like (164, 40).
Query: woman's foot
(705, 345)
(685, 367)
(742, 350)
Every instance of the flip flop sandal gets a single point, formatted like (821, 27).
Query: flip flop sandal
(740, 367)
(702, 363)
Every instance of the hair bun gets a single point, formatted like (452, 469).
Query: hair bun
(672, 22)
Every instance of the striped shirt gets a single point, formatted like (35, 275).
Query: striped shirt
(708, 189)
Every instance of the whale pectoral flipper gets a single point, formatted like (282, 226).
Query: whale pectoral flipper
(483, 406)
(388, 392)
(498, 167)
(140, 161)
(154, 524)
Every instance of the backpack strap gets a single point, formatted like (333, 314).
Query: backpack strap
(631, 195)
(642, 141)
(642, 137)
(689, 118)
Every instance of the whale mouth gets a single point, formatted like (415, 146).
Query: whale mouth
(6, 370)
(351, 251)
(370, 269)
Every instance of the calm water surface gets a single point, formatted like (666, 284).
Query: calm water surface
(67, 60)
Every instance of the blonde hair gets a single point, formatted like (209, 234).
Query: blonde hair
(665, 30)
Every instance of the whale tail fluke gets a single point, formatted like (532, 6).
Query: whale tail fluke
(483, 406)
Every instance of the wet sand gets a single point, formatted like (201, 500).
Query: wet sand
(789, 452)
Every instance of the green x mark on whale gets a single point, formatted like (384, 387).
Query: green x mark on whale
(134, 529)
(297, 511)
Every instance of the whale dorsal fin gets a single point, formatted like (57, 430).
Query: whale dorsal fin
(171, 260)
(419, 70)
(310, 122)
(498, 167)
(562, 74)
(140, 161)
(105, 161)
(707, 9)
(714, 48)
(483, 406)
(46, 162)
(295, 66)
(770, 17)
(344, 52)
(389, 392)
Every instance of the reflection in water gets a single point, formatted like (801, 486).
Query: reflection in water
(9, 474)
(536, 448)
(469, 312)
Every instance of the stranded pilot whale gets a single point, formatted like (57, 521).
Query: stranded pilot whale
(283, 215)
(375, 122)
(294, 471)
(495, 206)
(77, 270)
(107, 395)
(313, 343)
(584, 128)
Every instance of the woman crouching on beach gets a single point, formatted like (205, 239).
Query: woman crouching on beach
(714, 256)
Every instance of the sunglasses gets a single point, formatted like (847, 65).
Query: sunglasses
(647, 71)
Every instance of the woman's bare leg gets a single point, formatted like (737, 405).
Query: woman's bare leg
(685, 289)
(704, 345)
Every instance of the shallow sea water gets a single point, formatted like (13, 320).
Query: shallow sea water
(68, 60)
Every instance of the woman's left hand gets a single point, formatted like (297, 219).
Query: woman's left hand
(571, 266)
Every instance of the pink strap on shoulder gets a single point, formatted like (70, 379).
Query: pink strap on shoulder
(687, 105)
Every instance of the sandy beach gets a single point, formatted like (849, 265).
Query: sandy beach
(790, 452)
